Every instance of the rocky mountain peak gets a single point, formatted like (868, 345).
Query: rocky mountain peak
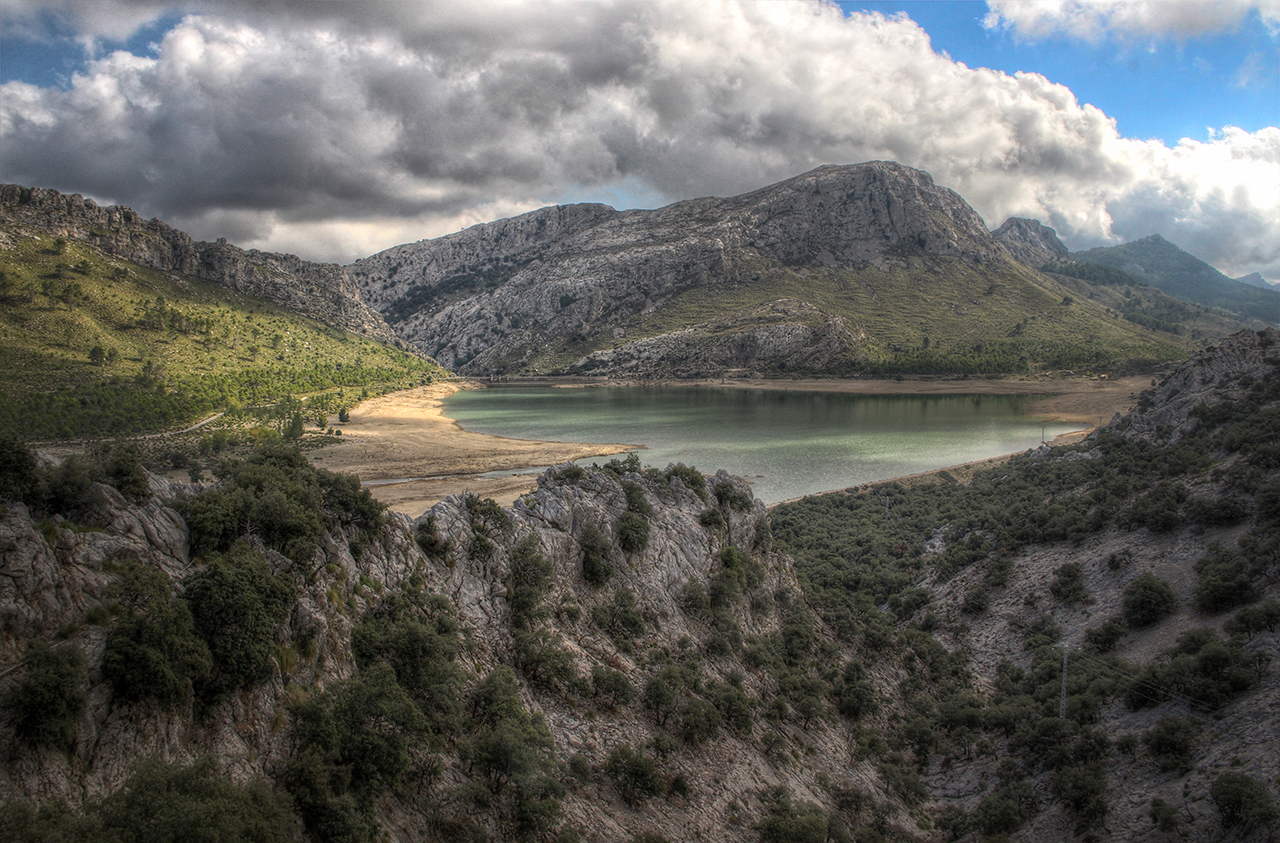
(496, 296)
(1029, 241)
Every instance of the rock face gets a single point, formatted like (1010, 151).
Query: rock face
(492, 297)
(1167, 413)
(50, 576)
(1029, 241)
(324, 292)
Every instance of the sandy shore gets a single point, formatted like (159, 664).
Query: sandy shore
(405, 438)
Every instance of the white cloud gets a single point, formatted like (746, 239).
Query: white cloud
(1093, 19)
(335, 129)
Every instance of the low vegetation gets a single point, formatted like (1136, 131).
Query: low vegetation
(95, 346)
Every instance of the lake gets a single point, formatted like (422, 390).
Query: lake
(788, 444)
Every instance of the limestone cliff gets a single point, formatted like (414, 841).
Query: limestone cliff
(324, 292)
(491, 298)
(1030, 241)
(52, 574)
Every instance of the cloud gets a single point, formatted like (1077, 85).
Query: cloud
(335, 129)
(1094, 19)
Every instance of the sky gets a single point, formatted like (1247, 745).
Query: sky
(333, 130)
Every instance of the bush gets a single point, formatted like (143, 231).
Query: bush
(154, 650)
(18, 480)
(690, 477)
(1242, 801)
(633, 532)
(1172, 740)
(161, 802)
(428, 536)
(1147, 599)
(1225, 580)
(419, 638)
(236, 605)
(612, 686)
(1083, 790)
(633, 773)
(1068, 583)
(596, 569)
(636, 500)
(45, 707)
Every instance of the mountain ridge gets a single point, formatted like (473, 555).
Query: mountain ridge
(324, 292)
(865, 248)
(1162, 264)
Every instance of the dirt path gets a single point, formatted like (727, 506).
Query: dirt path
(405, 438)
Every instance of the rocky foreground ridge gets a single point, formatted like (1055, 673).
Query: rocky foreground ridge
(628, 651)
(324, 292)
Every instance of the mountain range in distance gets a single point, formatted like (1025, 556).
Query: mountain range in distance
(868, 269)
(859, 270)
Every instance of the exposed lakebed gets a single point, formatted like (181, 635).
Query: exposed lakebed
(787, 443)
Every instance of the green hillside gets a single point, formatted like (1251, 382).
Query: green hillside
(95, 346)
(1163, 265)
(925, 316)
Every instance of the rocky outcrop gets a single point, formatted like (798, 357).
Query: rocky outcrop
(1167, 412)
(52, 576)
(1030, 241)
(324, 292)
(492, 297)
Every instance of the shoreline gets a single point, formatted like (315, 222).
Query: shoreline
(413, 456)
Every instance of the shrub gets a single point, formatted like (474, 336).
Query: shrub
(17, 470)
(976, 601)
(1172, 740)
(712, 518)
(428, 536)
(46, 705)
(636, 500)
(1068, 583)
(529, 580)
(419, 639)
(633, 773)
(633, 532)
(1105, 638)
(612, 686)
(690, 477)
(1083, 790)
(171, 802)
(161, 802)
(596, 569)
(154, 650)
(1225, 580)
(731, 496)
(236, 605)
(1147, 599)
(1242, 801)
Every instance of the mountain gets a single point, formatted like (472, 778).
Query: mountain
(1163, 265)
(870, 268)
(323, 292)
(95, 344)
(1030, 241)
(632, 653)
(1255, 279)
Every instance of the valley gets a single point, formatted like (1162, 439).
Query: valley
(1068, 642)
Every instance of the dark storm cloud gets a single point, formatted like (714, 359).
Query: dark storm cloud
(334, 129)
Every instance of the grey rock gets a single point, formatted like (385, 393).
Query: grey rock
(1030, 241)
(324, 292)
(490, 298)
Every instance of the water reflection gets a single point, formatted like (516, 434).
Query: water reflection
(789, 443)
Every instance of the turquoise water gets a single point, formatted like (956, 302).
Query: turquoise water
(788, 444)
